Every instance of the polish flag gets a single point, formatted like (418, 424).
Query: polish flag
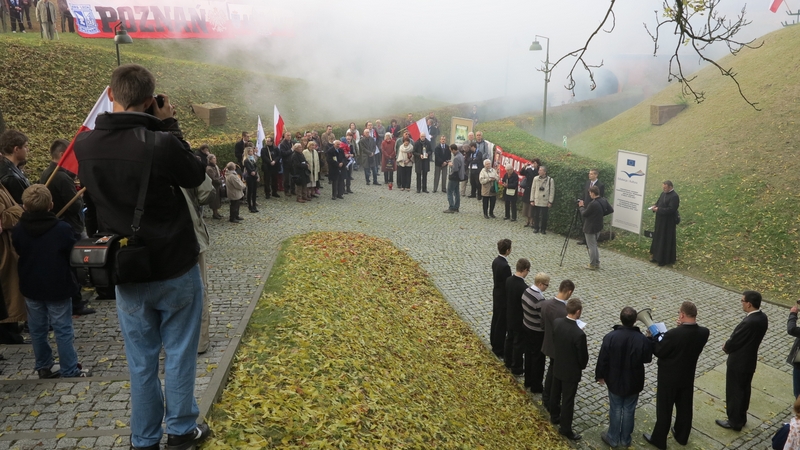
(278, 125)
(103, 104)
(260, 136)
(416, 129)
(775, 5)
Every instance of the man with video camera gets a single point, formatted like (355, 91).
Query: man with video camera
(163, 308)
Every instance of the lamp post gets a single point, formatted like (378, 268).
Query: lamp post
(121, 37)
(536, 46)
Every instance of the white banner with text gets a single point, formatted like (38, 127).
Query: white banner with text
(629, 184)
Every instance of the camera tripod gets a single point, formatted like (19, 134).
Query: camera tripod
(569, 233)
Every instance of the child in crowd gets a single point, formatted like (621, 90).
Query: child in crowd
(43, 244)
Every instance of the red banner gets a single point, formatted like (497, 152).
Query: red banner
(503, 159)
(147, 19)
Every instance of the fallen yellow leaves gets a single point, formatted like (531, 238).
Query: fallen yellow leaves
(366, 354)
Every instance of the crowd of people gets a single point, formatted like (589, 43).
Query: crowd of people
(529, 331)
(46, 14)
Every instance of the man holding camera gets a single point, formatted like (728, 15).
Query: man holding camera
(592, 225)
(543, 193)
(162, 309)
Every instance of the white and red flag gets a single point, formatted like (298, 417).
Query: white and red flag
(103, 104)
(278, 120)
(260, 136)
(775, 5)
(416, 129)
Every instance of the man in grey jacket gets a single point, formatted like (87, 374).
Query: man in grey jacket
(592, 225)
(552, 309)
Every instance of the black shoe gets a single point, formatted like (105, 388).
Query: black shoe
(425, 191)
(333, 198)
(149, 447)
(46, 374)
(649, 438)
(517, 372)
(449, 211)
(485, 216)
(581, 242)
(83, 310)
(190, 440)
(216, 216)
(544, 232)
(513, 220)
(555, 420)
(492, 216)
(340, 197)
(535, 231)
(505, 218)
(471, 196)
(276, 195)
(239, 218)
(572, 436)
(726, 424)
(376, 183)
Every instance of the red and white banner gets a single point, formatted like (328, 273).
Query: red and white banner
(147, 19)
(502, 159)
(103, 104)
(278, 126)
(416, 129)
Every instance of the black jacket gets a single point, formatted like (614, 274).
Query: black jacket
(677, 353)
(623, 354)
(13, 179)
(511, 180)
(238, 151)
(422, 165)
(299, 169)
(270, 153)
(571, 348)
(500, 273)
(515, 287)
(62, 189)
(592, 217)
(587, 185)
(43, 244)
(742, 346)
(442, 155)
(334, 155)
(111, 159)
(285, 150)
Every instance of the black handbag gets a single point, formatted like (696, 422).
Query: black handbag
(93, 260)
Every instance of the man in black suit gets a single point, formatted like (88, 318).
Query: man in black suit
(742, 350)
(442, 157)
(552, 309)
(592, 181)
(238, 149)
(677, 350)
(573, 355)
(270, 165)
(285, 148)
(663, 249)
(515, 336)
(500, 273)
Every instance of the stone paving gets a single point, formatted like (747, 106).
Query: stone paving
(457, 250)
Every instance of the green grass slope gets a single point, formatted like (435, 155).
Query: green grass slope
(736, 169)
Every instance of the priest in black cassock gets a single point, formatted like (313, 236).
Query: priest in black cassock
(664, 247)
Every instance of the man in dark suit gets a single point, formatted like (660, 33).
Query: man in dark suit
(442, 157)
(515, 334)
(238, 149)
(663, 249)
(677, 350)
(500, 273)
(552, 309)
(573, 355)
(742, 350)
(592, 181)
(285, 148)
(270, 165)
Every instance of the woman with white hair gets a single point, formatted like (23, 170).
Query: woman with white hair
(488, 179)
(312, 158)
(405, 160)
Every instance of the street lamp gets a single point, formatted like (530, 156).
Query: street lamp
(121, 37)
(536, 46)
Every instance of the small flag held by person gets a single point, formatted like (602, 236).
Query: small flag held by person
(416, 129)
(260, 136)
(102, 105)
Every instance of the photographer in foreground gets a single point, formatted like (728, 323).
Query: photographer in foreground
(164, 306)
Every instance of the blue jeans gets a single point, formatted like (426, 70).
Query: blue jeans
(41, 315)
(620, 415)
(453, 195)
(374, 171)
(153, 314)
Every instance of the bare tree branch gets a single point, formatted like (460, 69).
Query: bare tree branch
(680, 15)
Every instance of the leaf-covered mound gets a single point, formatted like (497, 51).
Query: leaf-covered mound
(352, 346)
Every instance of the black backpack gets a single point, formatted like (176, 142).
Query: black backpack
(607, 208)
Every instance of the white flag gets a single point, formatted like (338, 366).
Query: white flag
(260, 136)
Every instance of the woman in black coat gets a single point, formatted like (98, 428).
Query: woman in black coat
(250, 177)
(529, 171)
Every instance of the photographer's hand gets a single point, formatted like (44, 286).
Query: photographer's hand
(164, 112)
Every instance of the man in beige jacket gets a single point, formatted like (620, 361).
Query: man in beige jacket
(543, 191)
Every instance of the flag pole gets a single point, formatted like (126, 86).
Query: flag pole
(74, 199)
(52, 175)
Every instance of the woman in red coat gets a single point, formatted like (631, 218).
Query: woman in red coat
(388, 159)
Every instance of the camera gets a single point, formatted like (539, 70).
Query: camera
(160, 100)
(541, 188)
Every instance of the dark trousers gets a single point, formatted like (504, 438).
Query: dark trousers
(337, 184)
(405, 172)
(667, 397)
(540, 215)
(439, 171)
(497, 333)
(270, 181)
(488, 205)
(388, 176)
(737, 396)
(474, 184)
(562, 404)
(234, 210)
(514, 350)
(288, 186)
(66, 18)
(252, 191)
(26, 11)
(16, 18)
(511, 206)
(534, 360)
(547, 392)
(422, 181)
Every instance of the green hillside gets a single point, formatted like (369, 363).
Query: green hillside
(736, 169)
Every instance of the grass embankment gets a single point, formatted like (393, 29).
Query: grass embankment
(351, 346)
(736, 169)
